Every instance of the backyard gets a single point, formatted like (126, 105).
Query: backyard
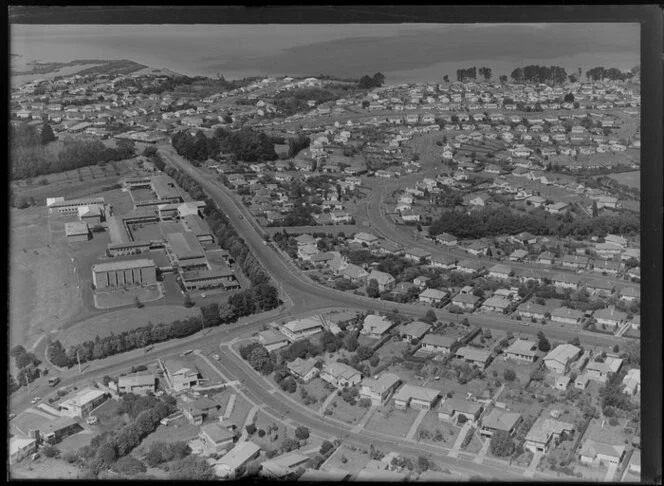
(432, 430)
(315, 389)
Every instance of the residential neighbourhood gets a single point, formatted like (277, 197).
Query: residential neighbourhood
(325, 278)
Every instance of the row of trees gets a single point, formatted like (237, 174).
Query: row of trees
(369, 82)
(539, 74)
(468, 74)
(26, 363)
(501, 221)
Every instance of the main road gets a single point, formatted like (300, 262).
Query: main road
(305, 294)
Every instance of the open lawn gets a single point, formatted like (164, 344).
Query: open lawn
(142, 194)
(146, 231)
(316, 389)
(43, 295)
(76, 441)
(631, 179)
(123, 320)
(351, 414)
(275, 438)
(125, 297)
(434, 429)
(175, 431)
(240, 411)
(520, 401)
(499, 365)
(390, 350)
(44, 468)
(390, 420)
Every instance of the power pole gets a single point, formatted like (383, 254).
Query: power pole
(27, 383)
(79, 363)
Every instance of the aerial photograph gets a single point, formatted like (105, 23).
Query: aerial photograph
(316, 252)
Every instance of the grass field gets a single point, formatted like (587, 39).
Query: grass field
(272, 440)
(351, 414)
(631, 179)
(354, 460)
(44, 468)
(122, 298)
(123, 320)
(43, 294)
(175, 431)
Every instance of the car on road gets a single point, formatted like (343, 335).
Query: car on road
(91, 420)
(216, 356)
(35, 400)
(203, 295)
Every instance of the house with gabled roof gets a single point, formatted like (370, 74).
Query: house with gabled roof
(354, 273)
(522, 350)
(600, 371)
(474, 356)
(417, 397)
(385, 280)
(610, 317)
(465, 301)
(437, 343)
(416, 254)
(379, 389)
(469, 266)
(559, 358)
(531, 310)
(303, 369)
(496, 304)
(500, 271)
(594, 452)
(546, 433)
(446, 239)
(340, 375)
(443, 261)
(414, 330)
(433, 296)
(375, 326)
(451, 409)
(272, 339)
(565, 315)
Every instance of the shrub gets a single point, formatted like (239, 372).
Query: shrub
(509, 374)
(462, 419)
(261, 433)
(51, 451)
(251, 429)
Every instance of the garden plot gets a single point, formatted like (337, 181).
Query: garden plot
(317, 389)
(344, 411)
(389, 419)
(347, 458)
(432, 430)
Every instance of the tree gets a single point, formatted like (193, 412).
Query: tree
(187, 300)
(543, 344)
(595, 209)
(501, 444)
(51, 451)
(251, 429)
(422, 463)
(107, 453)
(509, 374)
(350, 342)
(301, 432)
(364, 352)
(462, 419)
(485, 72)
(326, 447)
(446, 78)
(503, 79)
(375, 359)
(138, 302)
(569, 98)
(373, 290)
(47, 134)
(517, 75)
(289, 445)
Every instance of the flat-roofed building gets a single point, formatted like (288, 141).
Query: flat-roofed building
(186, 248)
(302, 328)
(204, 279)
(83, 403)
(165, 188)
(70, 207)
(199, 227)
(280, 466)
(124, 273)
(138, 384)
(128, 248)
(58, 429)
(77, 231)
(418, 397)
(179, 375)
(272, 339)
(20, 448)
(92, 214)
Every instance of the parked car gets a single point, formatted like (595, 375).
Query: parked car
(35, 400)
(91, 420)
(216, 356)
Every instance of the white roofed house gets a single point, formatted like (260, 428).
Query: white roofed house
(632, 382)
(84, 402)
(630, 294)
(367, 238)
(416, 254)
(302, 328)
(522, 350)
(443, 261)
(355, 273)
(340, 375)
(385, 280)
(138, 384)
(518, 255)
(237, 457)
(433, 296)
(530, 310)
(500, 271)
(446, 239)
(559, 358)
(375, 326)
(417, 397)
(451, 409)
(465, 301)
(594, 452)
(379, 389)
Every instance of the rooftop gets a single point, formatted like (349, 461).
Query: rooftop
(500, 419)
(122, 265)
(408, 391)
(185, 245)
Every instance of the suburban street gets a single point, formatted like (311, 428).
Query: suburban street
(308, 295)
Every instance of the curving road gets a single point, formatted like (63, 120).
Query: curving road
(308, 295)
